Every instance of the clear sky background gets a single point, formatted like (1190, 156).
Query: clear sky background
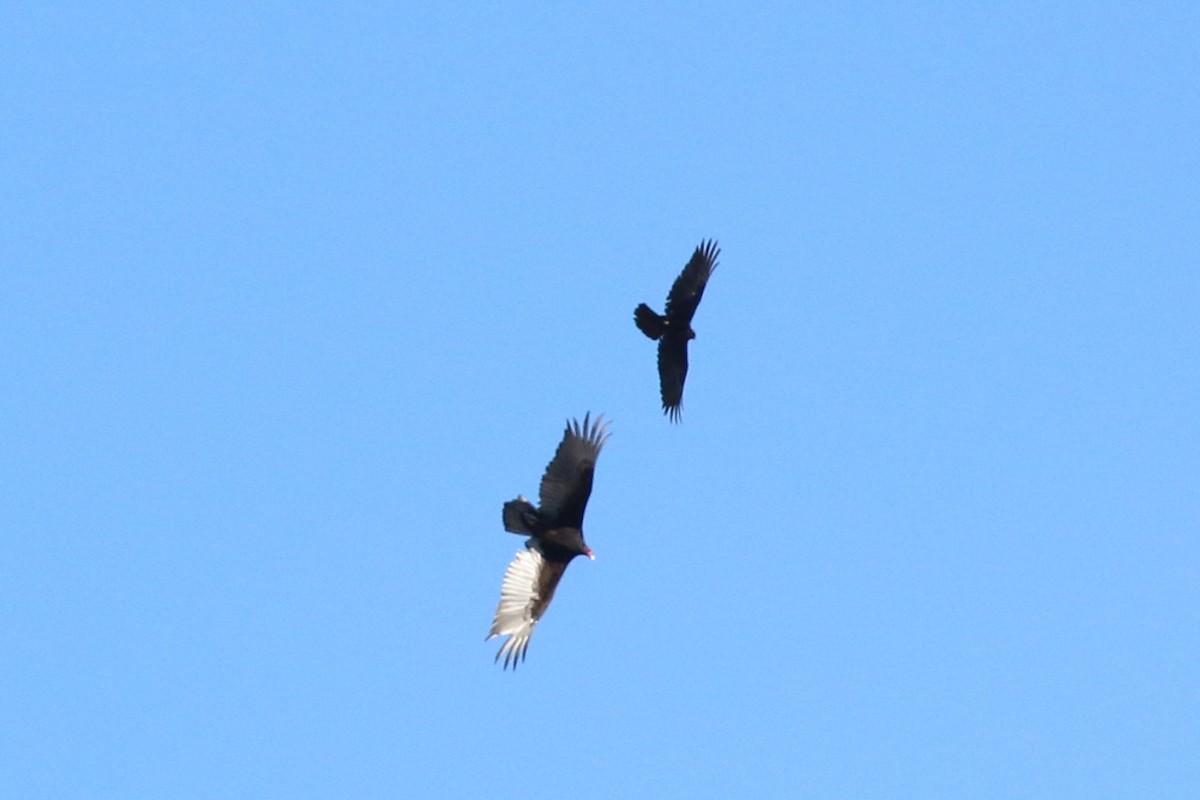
(292, 298)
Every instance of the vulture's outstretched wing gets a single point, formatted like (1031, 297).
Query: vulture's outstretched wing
(689, 286)
(567, 483)
(528, 588)
(672, 370)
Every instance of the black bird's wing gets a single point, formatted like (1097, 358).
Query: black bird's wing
(528, 588)
(689, 286)
(672, 371)
(567, 483)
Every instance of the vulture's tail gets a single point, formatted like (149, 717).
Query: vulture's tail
(647, 321)
(520, 516)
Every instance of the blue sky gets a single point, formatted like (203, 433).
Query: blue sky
(294, 297)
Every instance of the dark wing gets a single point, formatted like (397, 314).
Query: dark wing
(689, 286)
(672, 371)
(567, 483)
(528, 588)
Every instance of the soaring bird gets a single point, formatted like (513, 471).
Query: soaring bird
(555, 530)
(673, 330)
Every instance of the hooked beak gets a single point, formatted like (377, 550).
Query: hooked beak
(587, 551)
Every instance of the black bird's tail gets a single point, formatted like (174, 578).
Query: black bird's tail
(520, 516)
(647, 321)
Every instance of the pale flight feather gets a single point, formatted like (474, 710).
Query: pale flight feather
(518, 596)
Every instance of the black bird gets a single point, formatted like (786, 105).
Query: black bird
(673, 330)
(555, 529)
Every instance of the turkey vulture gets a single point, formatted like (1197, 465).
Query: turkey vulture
(674, 328)
(555, 531)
